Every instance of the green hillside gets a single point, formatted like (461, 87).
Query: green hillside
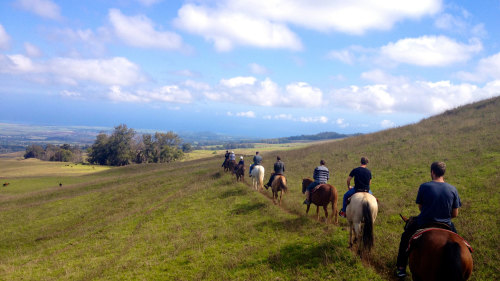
(190, 221)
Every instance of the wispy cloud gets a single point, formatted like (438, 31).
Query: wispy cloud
(4, 38)
(44, 8)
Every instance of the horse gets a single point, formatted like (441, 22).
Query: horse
(239, 171)
(361, 214)
(229, 165)
(439, 254)
(278, 185)
(258, 177)
(6, 183)
(323, 195)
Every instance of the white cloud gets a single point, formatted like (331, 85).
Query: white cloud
(430, 51)
(114, 71)
(139, 31)
(345, 56)
(230, 28)
(248, 114)
(197, 85)
(265, 23)
(4, 38)
(32, 50)
(487, 68)
(320, 119)
(238, 81)
(258, 69)
(341, 123)
(380, 77)
(422, 97)
(168, 94)
(248, 90)
(71, 94)
(387, 124)
(44, 8)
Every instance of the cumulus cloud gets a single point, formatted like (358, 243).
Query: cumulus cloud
(229, 28)
(139, 31)
(265, 24)
(44, 8)
(341, 123)
(114, 71)
(430, 51)
(487, 68)
(167, 94)
(248, 90)
(4, 38)
(422, 97)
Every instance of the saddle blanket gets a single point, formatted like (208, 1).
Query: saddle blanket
(419, 233)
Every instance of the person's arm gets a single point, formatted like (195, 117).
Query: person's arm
(454, 212)
(349, 182)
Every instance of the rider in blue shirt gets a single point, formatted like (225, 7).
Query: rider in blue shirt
(438, 201)
(257, 160)
(362, 181)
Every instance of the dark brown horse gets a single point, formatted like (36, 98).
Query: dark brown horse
(278, 186)
(239, 171)
(6, 183)
(229, 165)
(439, 254)
(323, 195)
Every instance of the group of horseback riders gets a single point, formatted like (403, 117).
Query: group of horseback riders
(437, 200)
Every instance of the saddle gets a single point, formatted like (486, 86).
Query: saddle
(419, 233)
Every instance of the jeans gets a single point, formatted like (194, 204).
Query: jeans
(348, 194)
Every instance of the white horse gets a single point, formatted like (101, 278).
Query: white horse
(361, 214)
(258, 177)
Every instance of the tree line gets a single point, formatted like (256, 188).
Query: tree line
(122, 147)
(62, 153)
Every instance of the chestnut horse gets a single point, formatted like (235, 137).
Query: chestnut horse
(439, 254)
(322, 195)
(278, 185)
(361, 214)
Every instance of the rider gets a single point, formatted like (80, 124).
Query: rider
(438, 202)
(241, 163)
(279, 169)
(320, 176)
(226, 156)
(257, 160)
(232, 157)
(362, 180)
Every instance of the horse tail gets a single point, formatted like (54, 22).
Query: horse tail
(283, 185)
(368, 226)
(452, 262)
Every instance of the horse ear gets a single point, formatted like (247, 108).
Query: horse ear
(405, 219)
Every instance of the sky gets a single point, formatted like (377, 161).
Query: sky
(254, 68)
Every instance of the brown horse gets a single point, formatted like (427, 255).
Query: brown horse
(439, 254)
(278, 186)
(239, 171)
(6, 183)
(323, 195)
(229, 165)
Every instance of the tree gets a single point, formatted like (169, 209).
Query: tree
(98, 152)
(186, 147)
(121, 146)
(33, 151)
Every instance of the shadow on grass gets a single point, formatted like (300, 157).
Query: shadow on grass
(243, 209)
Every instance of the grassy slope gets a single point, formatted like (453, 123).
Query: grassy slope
(188, 221)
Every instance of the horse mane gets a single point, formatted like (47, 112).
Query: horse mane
(368, 226)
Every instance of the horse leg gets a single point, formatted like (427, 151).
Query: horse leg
(307, 210)
(350, 234)
(281, 195)
(317, 213)
(326, 213)
(334, 210)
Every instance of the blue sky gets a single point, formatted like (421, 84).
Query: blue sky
(259, 68)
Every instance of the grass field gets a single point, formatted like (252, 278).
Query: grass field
(191, 221)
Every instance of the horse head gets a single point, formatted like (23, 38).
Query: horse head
(305, 183)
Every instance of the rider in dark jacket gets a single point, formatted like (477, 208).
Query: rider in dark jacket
(257, 160)
(279, 169)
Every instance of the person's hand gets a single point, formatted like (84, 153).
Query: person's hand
(350, 187)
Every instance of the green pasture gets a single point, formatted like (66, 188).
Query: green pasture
(191, 221)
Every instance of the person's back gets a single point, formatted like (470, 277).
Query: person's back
(362, 177)
(321, 174)
(257, 160)
(437, 199)
(232, 157)
(279, 168)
